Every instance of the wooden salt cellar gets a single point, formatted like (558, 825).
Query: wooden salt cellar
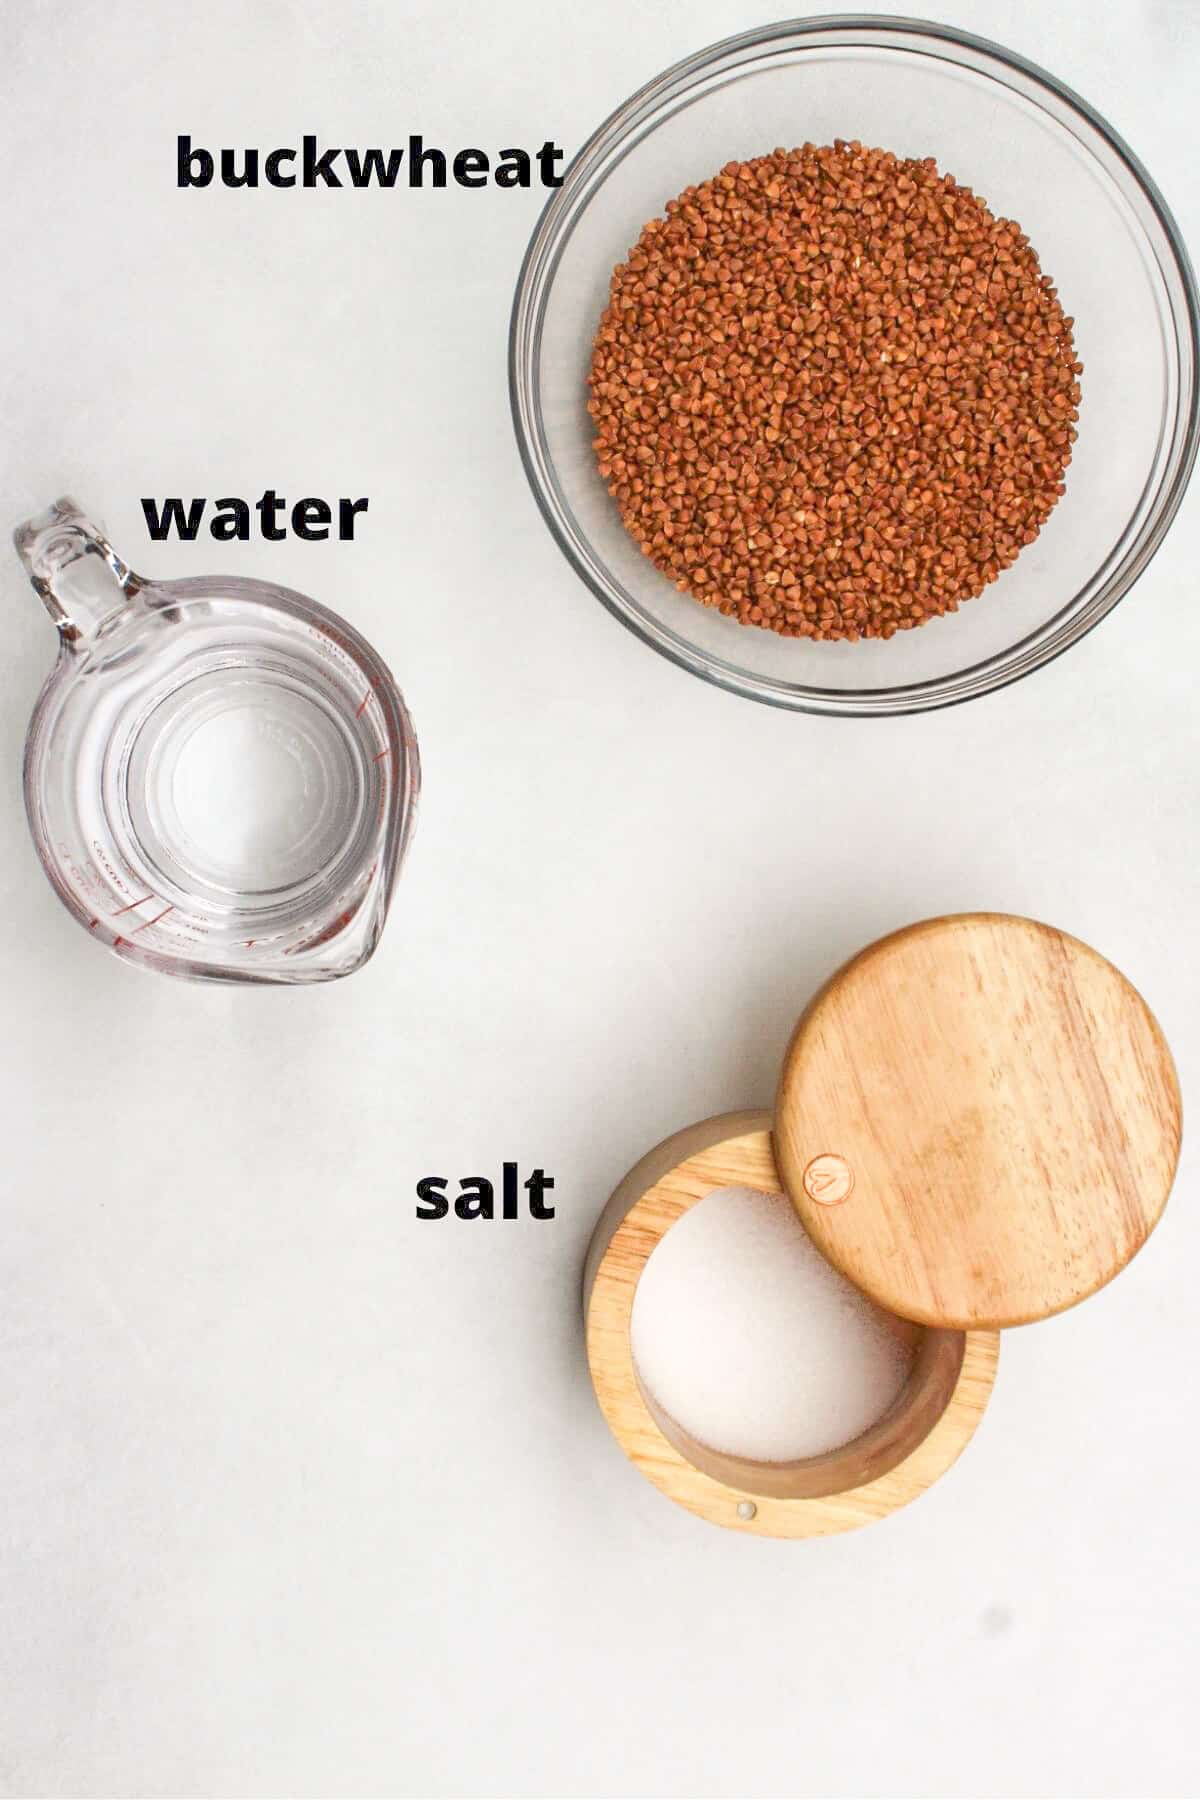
(978, 1122)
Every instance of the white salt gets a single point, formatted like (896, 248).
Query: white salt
(752, 1342)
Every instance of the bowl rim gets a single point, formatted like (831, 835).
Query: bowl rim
(976, 679)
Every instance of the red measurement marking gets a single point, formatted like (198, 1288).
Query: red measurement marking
(382, 754)
(92, 924)
(117, 942)
(330, 931)
(132, 904)
(154, 920)
(250, 943)
(372, 690)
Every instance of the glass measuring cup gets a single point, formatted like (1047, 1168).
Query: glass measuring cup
(220, 775)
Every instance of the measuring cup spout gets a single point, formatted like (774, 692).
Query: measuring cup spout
(81, 579)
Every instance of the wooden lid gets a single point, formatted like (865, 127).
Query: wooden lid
(978, 1121)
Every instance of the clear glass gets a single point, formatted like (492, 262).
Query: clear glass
(220, 775)
(1037, 153)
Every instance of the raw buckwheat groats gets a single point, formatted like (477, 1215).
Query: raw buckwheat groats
(833, 395)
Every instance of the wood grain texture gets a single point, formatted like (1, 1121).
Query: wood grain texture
(889, 1465)
(1007, 1108)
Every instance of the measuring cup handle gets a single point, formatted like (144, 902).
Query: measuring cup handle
(75, 569)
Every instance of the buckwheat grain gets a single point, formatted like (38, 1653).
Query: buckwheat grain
(833, 394)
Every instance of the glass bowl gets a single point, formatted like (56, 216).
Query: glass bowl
(1037, 153)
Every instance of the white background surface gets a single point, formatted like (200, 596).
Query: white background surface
(298, 1496)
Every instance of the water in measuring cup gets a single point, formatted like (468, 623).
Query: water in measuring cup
(229, 778)
(220, 774)
(248, 791)
(244, 785)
